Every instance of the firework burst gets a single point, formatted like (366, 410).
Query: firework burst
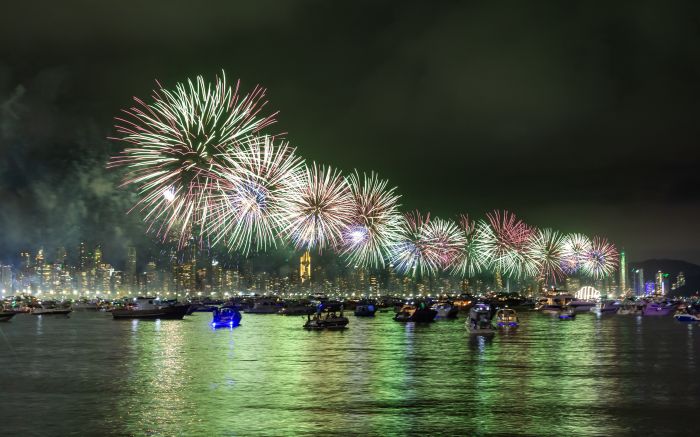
(248, 211)
(375, 223)
(177, 145)
(320, 210)
(574, 249)
(601, 260)
(545, 249)
(502, 242)
(470, 261)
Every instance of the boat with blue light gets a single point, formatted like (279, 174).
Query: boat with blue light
(365, 309)
(507, 318)
(226, 317)
(567, 313)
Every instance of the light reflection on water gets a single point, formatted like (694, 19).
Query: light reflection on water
(592, 375)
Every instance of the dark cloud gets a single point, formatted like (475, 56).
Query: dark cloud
(576, 115)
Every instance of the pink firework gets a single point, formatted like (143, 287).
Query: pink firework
(601, 260)
(502, 242)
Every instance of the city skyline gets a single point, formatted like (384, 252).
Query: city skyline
(587, 169)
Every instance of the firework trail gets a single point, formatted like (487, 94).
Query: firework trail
(177, 148)
(376, 221)
(320, 210)
(259, 177)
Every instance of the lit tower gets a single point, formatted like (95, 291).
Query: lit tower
(305, 267)
(623, 273)
(130, 269)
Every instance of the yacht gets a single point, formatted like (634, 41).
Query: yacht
(665, 308)
(606, 307)
(226, 317)
(553, 304)
(51, 311)
(263, 306)
(150, 308)
(420, 313)
(507, 318)
(685, 316)
(581, 306)
(328, 319)
(479, 321)
(445, 310)
(629, 307)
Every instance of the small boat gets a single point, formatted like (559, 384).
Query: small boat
(685, 316)
(226, 317)
(567, 313)
(659, 309)
(6, 315)
(263, 306)
(365, 309)
(417, 314)
(42, 311)
(201, 308)
(296, 309)
(445, 310)
(507, 318)
(326, 320)
(85, 305)
(479, 321)
(150, 308)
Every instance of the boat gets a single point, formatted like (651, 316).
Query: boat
(51, 311)
(553, 304)
(415, 313)
(581, 306)
(263, 306)
(201, 308)
(6, 315)
(445, 310)
(365, 309)
(479, 321)
(226, 317)
(629, 307)
(659, 309)
(327, 319)
(296, 309)
(150, 308)
(85, 305)
(606, 307)
(567, 313)
(507, 318)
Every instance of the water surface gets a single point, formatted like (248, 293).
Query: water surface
(91, 375)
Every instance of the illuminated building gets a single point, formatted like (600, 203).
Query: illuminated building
(661, 284)
(639, 282)
(6, 279)
(305, 267)
(623, 273)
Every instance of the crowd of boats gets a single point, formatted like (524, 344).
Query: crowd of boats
(484, 315)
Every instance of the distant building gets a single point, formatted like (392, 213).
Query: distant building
(639, 282)
(305, 267)
(623, 273)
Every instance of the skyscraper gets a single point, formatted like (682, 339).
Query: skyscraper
(623, 273)
(305, 267)
(130, 269)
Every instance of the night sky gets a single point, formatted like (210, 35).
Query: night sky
(578, 116)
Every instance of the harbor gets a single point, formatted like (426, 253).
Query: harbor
(102, 376)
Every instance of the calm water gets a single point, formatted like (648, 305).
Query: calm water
(91, 375)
